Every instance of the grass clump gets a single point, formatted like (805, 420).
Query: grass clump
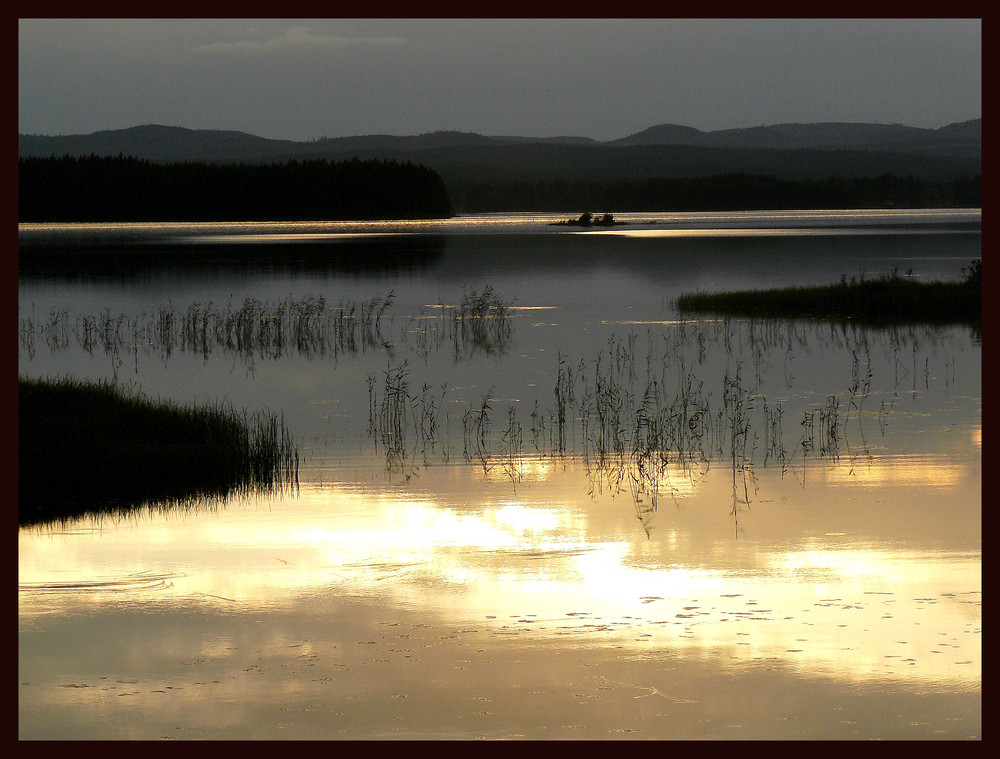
(482, 319)
(96, 447)
(889, 299)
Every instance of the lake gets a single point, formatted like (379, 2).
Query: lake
(534, 501)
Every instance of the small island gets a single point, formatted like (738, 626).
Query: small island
(589, 220)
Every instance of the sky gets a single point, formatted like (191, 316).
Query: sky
(304, 79)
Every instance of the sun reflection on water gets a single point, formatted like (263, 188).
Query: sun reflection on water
(468, 549)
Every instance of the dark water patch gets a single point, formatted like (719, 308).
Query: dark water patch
(108, 255)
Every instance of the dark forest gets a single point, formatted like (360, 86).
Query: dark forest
(724, 192)
(95, 188)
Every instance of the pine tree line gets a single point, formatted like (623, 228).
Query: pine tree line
(122, 188)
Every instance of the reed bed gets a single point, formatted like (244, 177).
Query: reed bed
(250, 330)
(479, 323)
(402, 422)
(92, 448)
(888, 299)
(481, 320)
(651, 419)
(310, 326)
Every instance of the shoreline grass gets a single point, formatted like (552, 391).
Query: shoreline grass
(88, 448)
(889, 299)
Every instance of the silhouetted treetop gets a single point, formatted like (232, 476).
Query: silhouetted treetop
(96, 188)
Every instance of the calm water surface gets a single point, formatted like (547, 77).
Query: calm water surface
(799, 557)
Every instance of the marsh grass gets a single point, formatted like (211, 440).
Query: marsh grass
(889, 299)
(251, 330)
(651, 421)
(406, 424)
(254, 330)
(92, 448)
(481, 321)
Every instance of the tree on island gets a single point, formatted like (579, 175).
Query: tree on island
(589, 220)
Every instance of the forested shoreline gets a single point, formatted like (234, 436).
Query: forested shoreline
(100, 188)
(724, 192)
(97, 188)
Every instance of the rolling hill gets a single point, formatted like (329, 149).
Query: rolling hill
(164, 143)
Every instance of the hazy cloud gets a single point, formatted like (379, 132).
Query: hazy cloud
(299, 39)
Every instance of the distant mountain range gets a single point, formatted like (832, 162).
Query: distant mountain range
(473, 164)
(962, 139)
(163, 143)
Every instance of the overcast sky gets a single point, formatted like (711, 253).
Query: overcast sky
(301, 79)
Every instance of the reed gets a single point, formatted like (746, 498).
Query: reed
(511, 447)
(480, 322)
(392, 412)
(476, 425)
(92, 448)
(397, 414)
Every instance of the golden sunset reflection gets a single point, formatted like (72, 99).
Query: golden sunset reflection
(466, 549)
(683, 221)
(735, 232)
(912, 471)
